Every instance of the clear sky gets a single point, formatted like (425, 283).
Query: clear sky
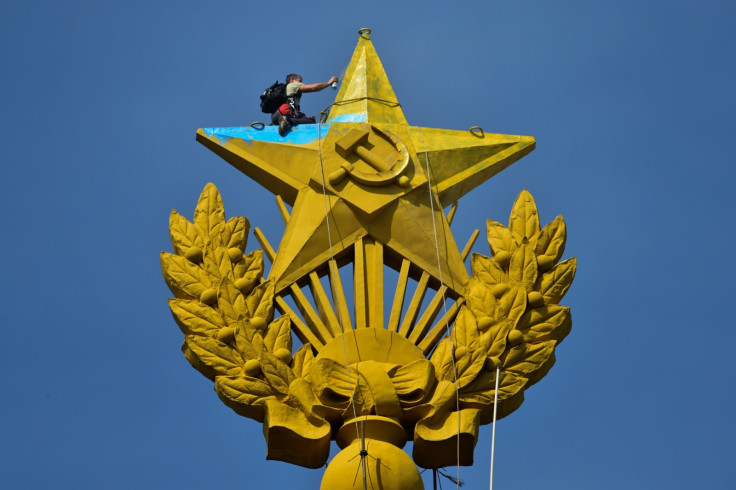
(632, 105)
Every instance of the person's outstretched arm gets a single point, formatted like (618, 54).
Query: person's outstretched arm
(316, 87)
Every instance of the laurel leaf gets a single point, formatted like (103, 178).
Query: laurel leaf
(551, 240)
(244, 394)
(277, 373)
(259, 303)
(511, 305)
(183, 234)
(249, 268)
(216, 263)
(278, 335)
(230, 302)
(243, 389)
(246, 348)
(466, 329)
(248, 340)
(302, 363)
(235, 234)
(499, 237)
(524, 220)
(554, 284)
(493, 340)
(442, 360)
(482, 390)
(302, 397)
(523, 268)
(257, 342)
(209, 214)
(525, 359)
(245, 330)
(480, 298)
(184, 278)
(216, 355)
(487, 270)
(468, 362)
(509, 384)
(549, 322)
(195, 318)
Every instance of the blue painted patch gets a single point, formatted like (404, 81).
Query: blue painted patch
(298, 135)
(359, 117)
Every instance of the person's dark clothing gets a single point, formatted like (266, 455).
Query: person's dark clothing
(293, 116)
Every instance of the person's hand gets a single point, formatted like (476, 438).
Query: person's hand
(333, 80)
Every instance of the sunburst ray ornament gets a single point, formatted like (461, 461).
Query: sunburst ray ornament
(367, 377)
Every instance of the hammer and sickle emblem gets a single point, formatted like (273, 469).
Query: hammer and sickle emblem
(354, 143)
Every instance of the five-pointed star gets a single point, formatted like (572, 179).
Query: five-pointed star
(297, 167)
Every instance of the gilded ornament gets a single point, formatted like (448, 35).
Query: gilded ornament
(331, 366)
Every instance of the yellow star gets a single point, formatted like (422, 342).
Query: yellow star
(368, 168)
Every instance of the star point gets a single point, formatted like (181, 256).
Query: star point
(363, 173)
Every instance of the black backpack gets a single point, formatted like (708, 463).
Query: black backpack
(273, 97)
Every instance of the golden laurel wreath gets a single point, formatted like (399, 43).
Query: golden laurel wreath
(509, 321)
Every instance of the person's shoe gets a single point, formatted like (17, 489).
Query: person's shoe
(283, 125)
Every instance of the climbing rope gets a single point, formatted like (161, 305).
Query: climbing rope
(358, 433)
(392, 103)
(444, 301)
(493, 432)
(326, 110)
(363, 452)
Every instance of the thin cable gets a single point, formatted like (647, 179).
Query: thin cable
(358, 433)
(444, 302)
(390, 103)
(493, 432)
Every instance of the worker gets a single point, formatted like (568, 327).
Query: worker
(289, 113)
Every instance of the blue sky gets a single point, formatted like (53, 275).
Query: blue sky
(631, 103)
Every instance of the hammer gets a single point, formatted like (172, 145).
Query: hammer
(351, 143)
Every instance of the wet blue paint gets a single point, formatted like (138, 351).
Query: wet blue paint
(357, 117)
(298, 135)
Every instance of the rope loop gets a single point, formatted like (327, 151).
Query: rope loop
(364, 32)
